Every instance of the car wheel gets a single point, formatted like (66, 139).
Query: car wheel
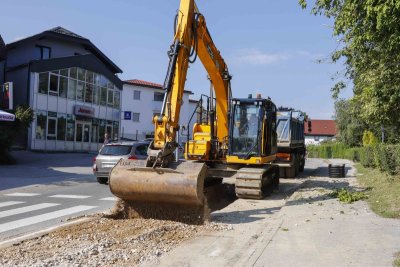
(102, 180)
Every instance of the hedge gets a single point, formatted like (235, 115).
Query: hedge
(381, 156)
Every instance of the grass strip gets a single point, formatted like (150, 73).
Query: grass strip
(384, 191)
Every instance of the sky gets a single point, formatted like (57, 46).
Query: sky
(270, 47)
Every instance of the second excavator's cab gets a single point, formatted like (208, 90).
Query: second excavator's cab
(252, 137)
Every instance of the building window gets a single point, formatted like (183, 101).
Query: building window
(43, 82)
(316, 138)
(81, 85)
(116, 99)
(136, 95)
(88, 93)
(70, 127)
(96, 95)
(81, 74)
(103, 96)
(61, 126)
(41, 122)
(110, 98)
(158, 97)
(72, 89)
(80, 91)
(45, 52)
(51, 125)
(63, 87)
(135, 117)
(53, 89)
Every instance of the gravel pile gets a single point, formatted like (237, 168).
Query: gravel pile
(104, 242)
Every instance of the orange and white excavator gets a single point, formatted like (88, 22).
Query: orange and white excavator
(237, 137)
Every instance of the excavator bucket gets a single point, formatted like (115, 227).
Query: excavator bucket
(181, 183)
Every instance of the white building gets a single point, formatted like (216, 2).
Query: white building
(140, 101)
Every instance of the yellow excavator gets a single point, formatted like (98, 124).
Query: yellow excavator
(233, 137)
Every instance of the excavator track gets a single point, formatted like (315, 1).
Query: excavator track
(256, 183)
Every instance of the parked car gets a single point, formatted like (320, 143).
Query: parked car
(110, 154)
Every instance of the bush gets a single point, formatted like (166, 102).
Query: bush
(381, 156)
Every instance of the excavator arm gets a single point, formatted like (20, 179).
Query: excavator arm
(160, 179)
(192, 39)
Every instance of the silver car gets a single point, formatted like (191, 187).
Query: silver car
(110, 154)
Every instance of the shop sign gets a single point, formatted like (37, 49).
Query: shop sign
(127, 115)
(84, 111)
(6, 96)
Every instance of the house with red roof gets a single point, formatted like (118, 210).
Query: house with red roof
(320, 130)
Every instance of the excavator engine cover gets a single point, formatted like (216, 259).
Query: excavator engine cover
(180, 183)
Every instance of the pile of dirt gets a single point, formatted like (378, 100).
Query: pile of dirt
(104, 242)
(195, 215)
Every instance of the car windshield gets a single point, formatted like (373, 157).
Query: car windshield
(282, 129)
(116, 150)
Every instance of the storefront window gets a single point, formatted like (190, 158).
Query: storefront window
(70, 127)
(41, 122)
(51, 125)
(62, 92)
(80, 90)
(61, 126)
(116, 99)
(110, 98)
(95, 131)
(43, 82)
(88, 92)
(115, 130)
(53, 89)
(72, 89)
(102, 130)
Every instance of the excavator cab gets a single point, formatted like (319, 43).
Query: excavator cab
(252, 138)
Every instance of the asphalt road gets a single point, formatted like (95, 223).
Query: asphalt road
(44, 190)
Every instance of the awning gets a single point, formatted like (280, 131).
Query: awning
(5, 116)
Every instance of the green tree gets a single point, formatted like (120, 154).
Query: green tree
(348, 123)
(24, 116)
(369, 32)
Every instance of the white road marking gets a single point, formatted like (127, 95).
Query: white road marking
(109, 198)
(26, 209)
(70, 196)
(10, 203)
(4, 227)
(22, 194)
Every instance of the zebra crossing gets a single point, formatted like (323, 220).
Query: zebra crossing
(19, 209)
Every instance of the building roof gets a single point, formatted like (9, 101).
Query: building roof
(321, 127)
(66, 35)
(143, 83)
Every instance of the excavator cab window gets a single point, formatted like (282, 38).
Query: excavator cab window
(246, 129)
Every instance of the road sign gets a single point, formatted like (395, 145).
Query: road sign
(127, 115)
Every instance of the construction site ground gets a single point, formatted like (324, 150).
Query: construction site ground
(302, 225)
